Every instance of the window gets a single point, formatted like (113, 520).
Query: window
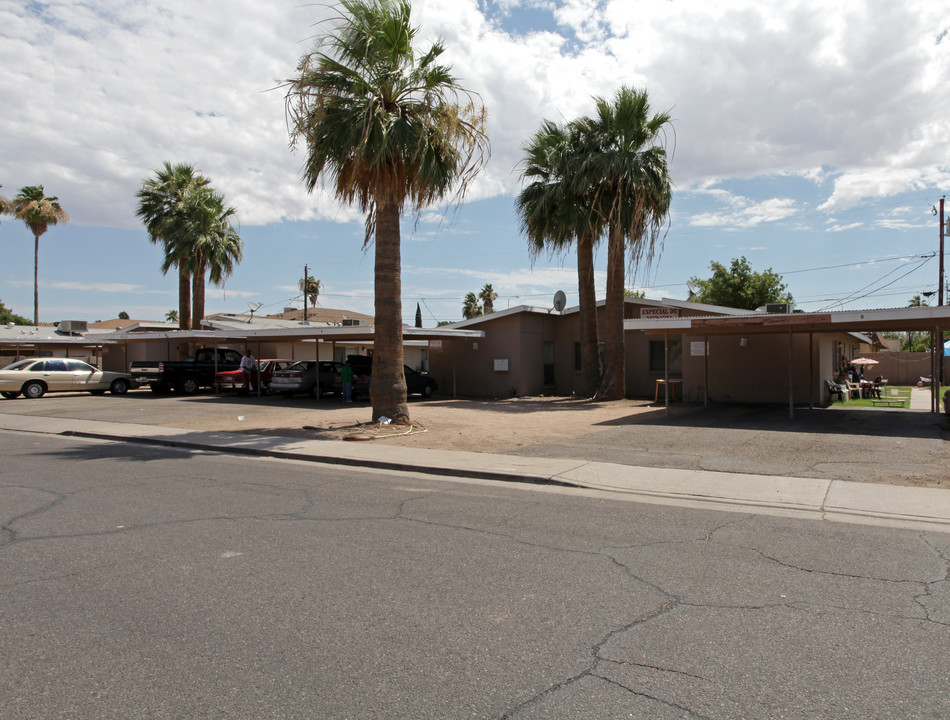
(55, 366)
(79, 365)
(657, 356)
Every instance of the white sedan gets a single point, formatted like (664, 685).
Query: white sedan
(34, 377)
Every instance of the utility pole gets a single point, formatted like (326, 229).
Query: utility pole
(305, 285)
(940, 279)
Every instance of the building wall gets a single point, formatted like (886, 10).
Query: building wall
(467, 367)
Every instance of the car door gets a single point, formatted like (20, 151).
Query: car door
(85, 376)
(57, 376)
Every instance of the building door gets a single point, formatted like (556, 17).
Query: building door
(548, 356)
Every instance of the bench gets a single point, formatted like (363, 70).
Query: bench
(889, 401)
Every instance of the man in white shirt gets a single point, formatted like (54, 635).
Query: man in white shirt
(248, 368)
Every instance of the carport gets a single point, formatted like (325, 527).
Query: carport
(932, 320)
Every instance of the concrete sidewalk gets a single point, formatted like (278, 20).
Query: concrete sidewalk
(835, 500)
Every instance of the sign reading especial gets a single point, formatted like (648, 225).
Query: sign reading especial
(652, 313)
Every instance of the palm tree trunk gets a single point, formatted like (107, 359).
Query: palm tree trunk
(36, 276)
(198, 297)
(387, 389)
(613, 386)
(184, 298)
(590, 337)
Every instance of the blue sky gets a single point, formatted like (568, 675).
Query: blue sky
(807, 138)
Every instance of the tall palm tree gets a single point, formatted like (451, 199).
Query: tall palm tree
(163, 207)
(488, 296)
(33, 207)
(625, 168)
(212, 248)
(470, 306)
(386, 126)
(5, 205)
(554, 213)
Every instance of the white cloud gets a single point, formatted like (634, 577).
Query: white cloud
(98, 94)
(744, 212)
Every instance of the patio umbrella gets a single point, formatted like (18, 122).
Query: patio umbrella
(864, 361)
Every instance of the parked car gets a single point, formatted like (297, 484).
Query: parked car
(417, 383)
(34, 377)
(234, 379)
(185, 376)
(303, 377)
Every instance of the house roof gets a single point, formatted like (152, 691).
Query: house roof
(897, 319)
(323, 315)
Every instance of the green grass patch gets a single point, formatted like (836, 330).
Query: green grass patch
(890, 392)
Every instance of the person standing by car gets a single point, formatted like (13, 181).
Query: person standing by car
(248, 367)
(346, 379)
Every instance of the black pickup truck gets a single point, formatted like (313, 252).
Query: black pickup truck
(185, 376)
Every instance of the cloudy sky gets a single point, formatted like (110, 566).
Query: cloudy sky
(809, 137)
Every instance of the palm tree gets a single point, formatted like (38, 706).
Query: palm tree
(311, 289)
(386, 126)
(33, 207)
(5, 205)
(171, 316)
(163, 207)
(470, 306)
(488, 296)
(555, 213)
(625, 168)
(212, 247)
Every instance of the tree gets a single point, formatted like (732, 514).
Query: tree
(123, 315)
(624, 169)
(171, 316)
(418, 316)
(488, 296)
(191, 220)
(470, 306)
(555, 213)
(739, 287)
(630, 293)
(38, 212)
(915, 341)
(214, 249)
(8, 316)
(386, 126)
(163, 207)
(5, 205)
(310, 288)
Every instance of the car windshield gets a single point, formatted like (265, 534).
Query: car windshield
(298, 366)
(21, 365)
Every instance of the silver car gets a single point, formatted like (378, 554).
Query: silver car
(34, 377)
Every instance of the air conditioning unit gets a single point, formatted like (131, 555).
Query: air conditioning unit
(350, 322)
(778, 308)
(71, 327)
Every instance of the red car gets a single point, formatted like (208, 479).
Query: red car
(234, 379)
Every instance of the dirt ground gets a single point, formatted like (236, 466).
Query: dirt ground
(903, 447)
(498, 426)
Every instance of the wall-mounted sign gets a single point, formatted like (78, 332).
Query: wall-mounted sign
(698, 348)
(435, 344)
(652, 313)
(501, 364)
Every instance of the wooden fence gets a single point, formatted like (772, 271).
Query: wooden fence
(903, 368)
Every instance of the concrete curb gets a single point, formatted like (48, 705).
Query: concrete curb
(832, 500)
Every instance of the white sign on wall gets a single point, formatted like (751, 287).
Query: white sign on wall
(501, 364)
(698, 348)
(652, 313)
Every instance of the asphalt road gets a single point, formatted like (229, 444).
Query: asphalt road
(144, 582)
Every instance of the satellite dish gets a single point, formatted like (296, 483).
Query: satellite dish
(253, 307)
(560, 300)
(692, 290)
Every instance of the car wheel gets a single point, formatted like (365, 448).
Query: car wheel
(34, 389)
(10, 395)
(427, 391)
(119, 386)
(188, 386)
